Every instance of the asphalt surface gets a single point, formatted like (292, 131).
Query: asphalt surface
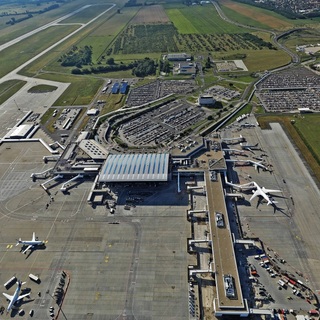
(20, 103)
(291, 228)
(127, 265)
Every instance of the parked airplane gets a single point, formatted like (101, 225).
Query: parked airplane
(250, 148)
(256, 189)
(13, 299)
(263, 192)
(256, 164)
(31, 244)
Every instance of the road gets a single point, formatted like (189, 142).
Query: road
(294, 57)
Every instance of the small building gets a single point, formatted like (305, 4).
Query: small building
(184, 68)
(92, 112)
(178, 56)
(124, 87)
(206, 100)
(20, 132)
(98, 199)
(115, 88)
(305, 110)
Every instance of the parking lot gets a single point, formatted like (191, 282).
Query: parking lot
(158, 89)
(161, 125)
(289, 90)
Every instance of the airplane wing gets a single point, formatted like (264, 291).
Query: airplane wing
(23, 296)
(34, 236)
(8, 296)
(270, 190)
(262, 194)
(255, 194)
(29, 247)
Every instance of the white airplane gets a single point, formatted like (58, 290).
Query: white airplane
(258, 165)
(31, 244)
(263, 192)
(248, 147)
(13, 299)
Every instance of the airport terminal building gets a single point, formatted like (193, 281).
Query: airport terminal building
(135, 168)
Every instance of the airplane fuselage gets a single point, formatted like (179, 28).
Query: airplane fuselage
(15, 297)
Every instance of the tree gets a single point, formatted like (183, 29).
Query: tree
(110, 61)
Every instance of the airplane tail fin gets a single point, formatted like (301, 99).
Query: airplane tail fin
(18, 241)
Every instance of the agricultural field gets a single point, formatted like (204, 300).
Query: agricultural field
(145, 39)
(151, 14)
(201, 20)
(259, 17)
(102, 36)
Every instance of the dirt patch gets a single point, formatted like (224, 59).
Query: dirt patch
(151, 14)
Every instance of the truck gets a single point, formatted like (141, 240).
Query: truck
(34, 278)
(282, 284)
(10, 283)
(253, 270)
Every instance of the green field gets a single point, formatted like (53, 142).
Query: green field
(305, 135)
(87, 14)
(9, 88)
(21, 52)
(80, 92)
(41, 88)
(11, 32)
(201, 20)
(104, 34)
(309, 128)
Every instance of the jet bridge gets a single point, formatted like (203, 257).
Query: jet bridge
(65, 186)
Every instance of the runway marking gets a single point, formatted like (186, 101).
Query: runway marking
(110, 245)
(9, 246)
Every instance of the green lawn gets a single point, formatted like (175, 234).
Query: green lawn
(87, 14)
(21, 52)
(11, 32)
(309, 129)
(80, 92)
(42, 88)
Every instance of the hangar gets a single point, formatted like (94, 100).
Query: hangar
(135, 168)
